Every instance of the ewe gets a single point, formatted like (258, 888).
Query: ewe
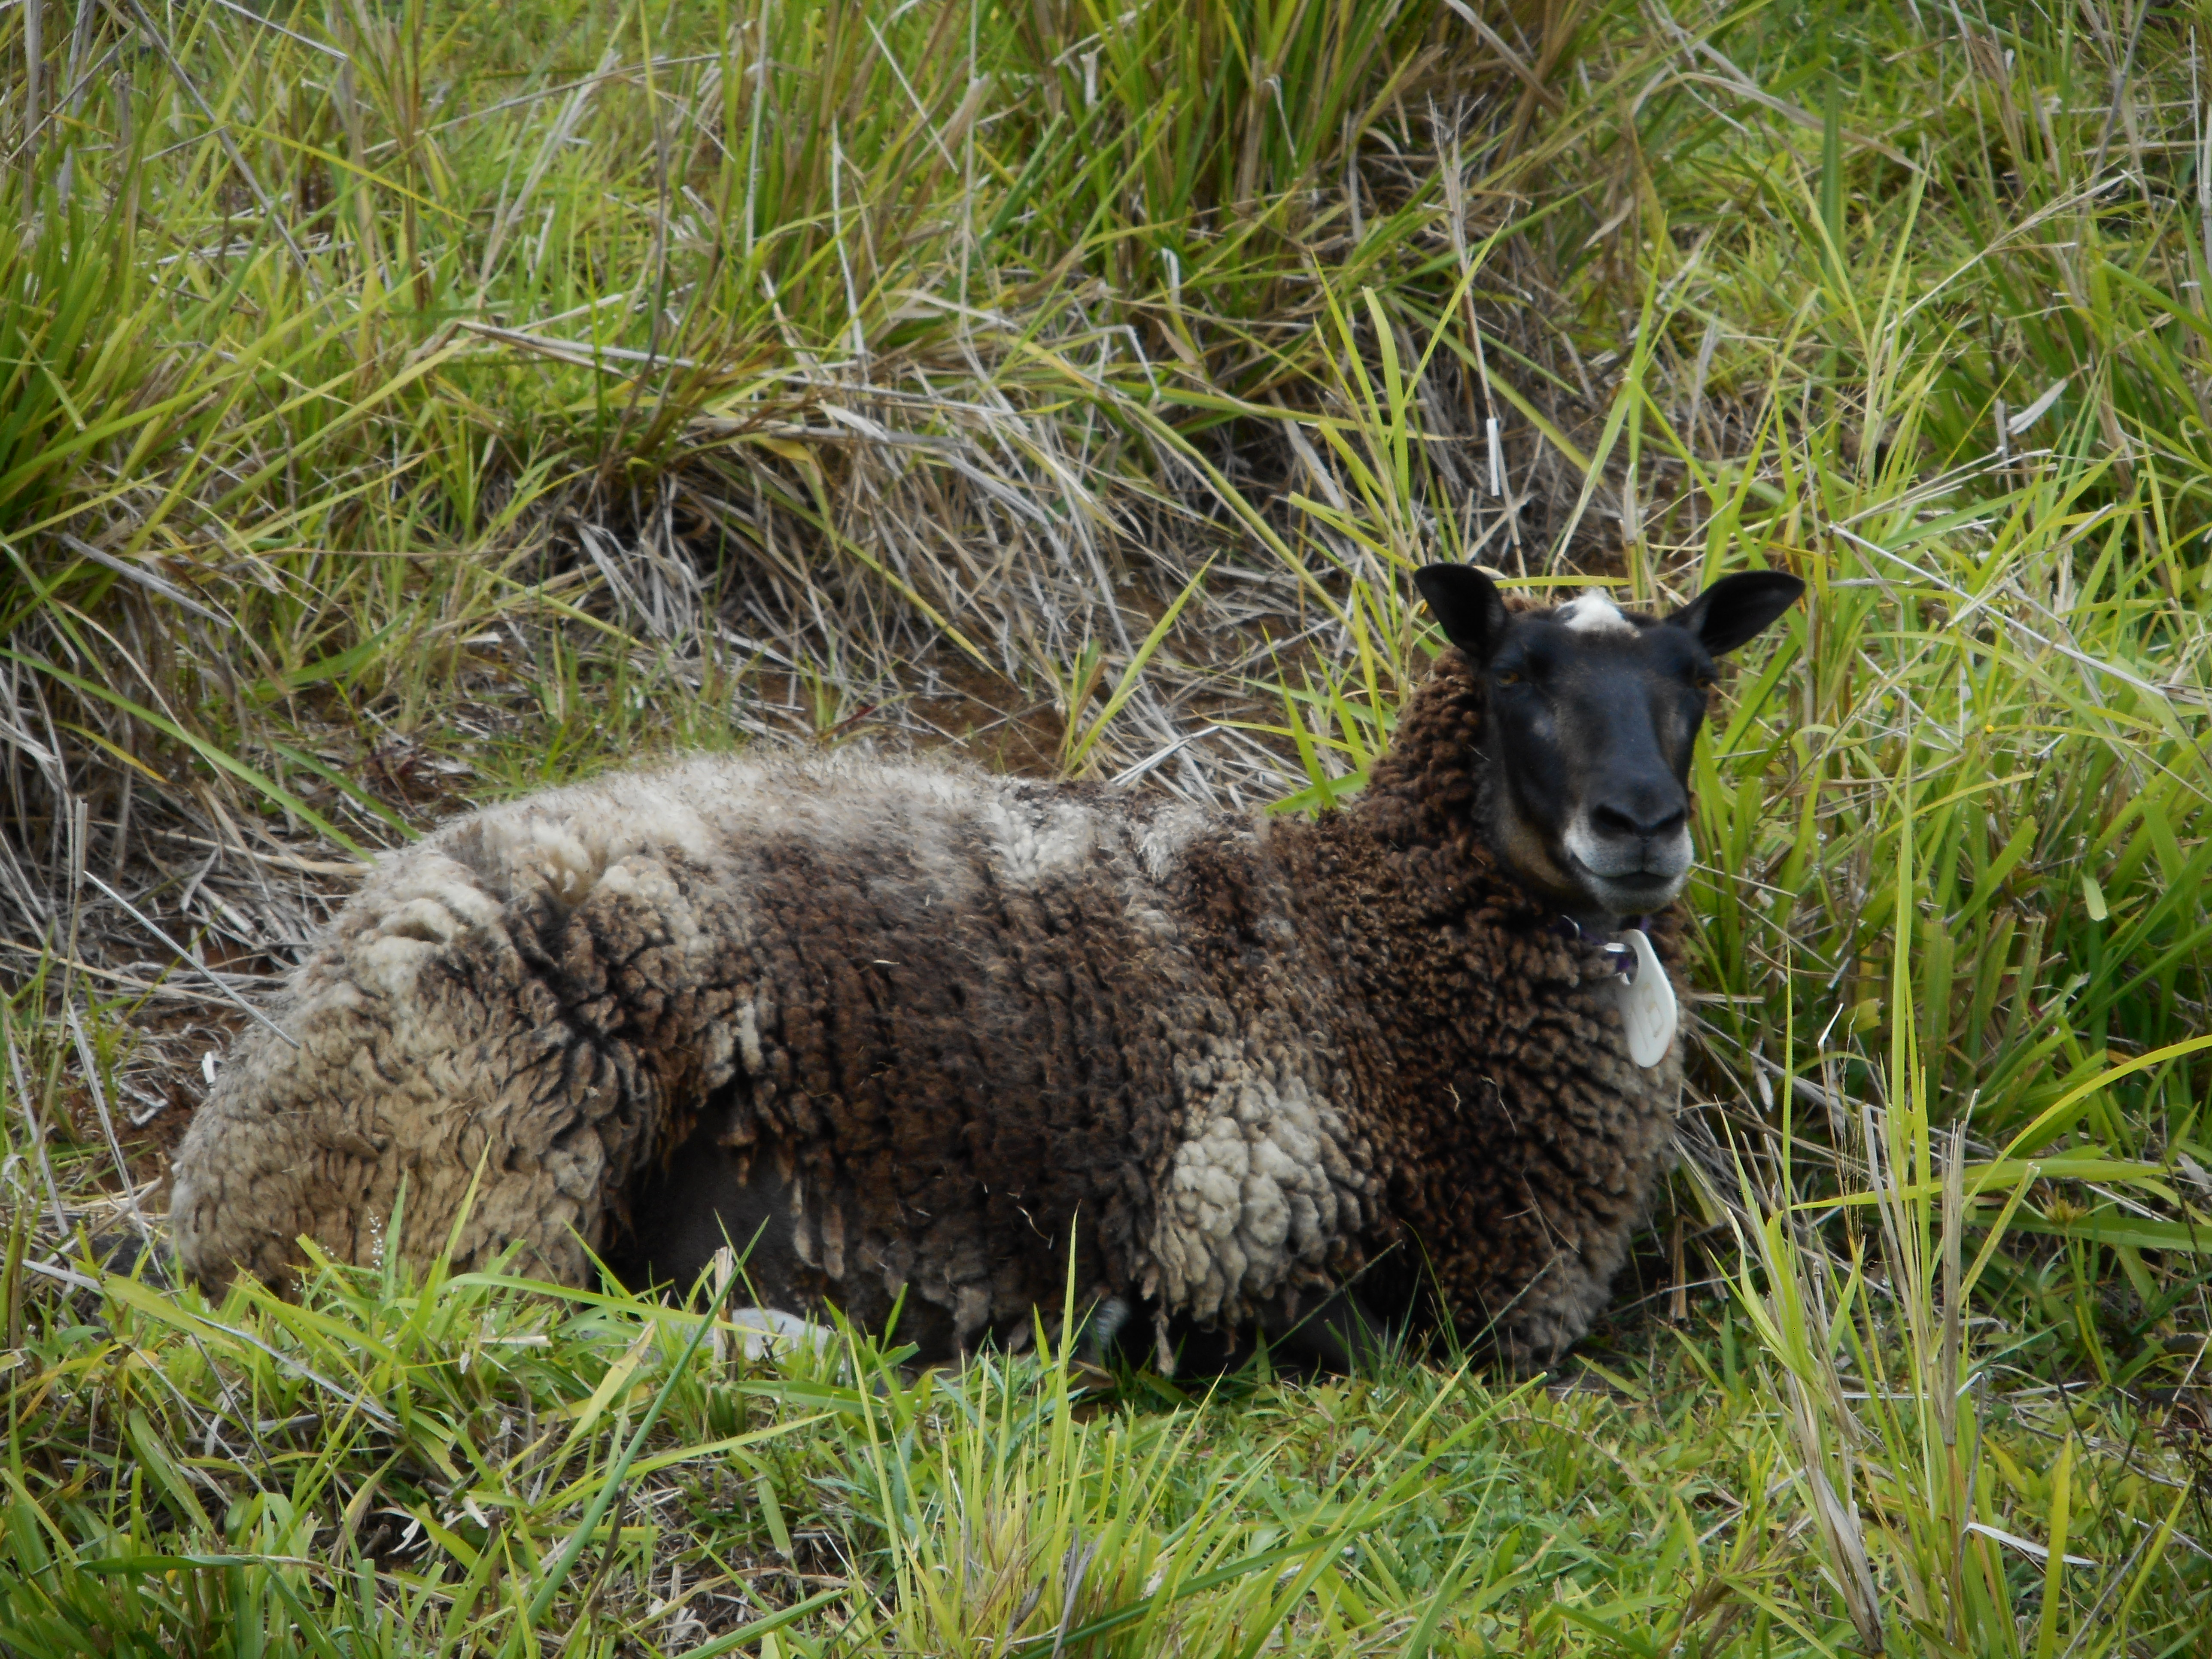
(906, 1028)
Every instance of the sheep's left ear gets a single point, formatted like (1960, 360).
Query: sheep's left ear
(1737, 608)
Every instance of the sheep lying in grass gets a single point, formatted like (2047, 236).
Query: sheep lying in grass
(911, 1031)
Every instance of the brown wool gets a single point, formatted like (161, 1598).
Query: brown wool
(960, 1021)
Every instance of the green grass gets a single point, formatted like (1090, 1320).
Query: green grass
(391, 1467)
(412, 406)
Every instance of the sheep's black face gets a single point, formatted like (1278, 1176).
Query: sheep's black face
(1592, 714)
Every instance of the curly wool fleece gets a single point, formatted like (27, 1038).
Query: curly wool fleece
(966, 1024)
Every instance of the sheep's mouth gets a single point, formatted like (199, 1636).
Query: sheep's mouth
(1628, 892)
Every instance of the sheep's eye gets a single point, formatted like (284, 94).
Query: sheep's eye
(1507, 677)
(1702, 678)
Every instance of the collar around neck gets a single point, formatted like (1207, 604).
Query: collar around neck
(1610, 941)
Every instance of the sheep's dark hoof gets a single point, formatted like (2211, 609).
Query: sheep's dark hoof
(1335, 1333)
(128, 1254)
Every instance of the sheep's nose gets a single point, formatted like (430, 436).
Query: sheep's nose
(1643, 818)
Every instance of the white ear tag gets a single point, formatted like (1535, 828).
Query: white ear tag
(1647, 1003)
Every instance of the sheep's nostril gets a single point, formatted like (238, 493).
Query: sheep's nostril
(1636, 821)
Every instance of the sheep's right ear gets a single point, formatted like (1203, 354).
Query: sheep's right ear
(1467, 604)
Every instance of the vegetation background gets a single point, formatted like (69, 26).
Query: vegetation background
(410, 404)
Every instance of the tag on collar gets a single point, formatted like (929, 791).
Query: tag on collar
(1647, 1003)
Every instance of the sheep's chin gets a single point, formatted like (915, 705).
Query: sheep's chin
(1623, 896)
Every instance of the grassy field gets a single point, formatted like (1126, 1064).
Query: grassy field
(411, 404)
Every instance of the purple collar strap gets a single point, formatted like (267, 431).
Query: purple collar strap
(1624, 958)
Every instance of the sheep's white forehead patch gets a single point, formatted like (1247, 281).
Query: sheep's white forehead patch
(1592, 613)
